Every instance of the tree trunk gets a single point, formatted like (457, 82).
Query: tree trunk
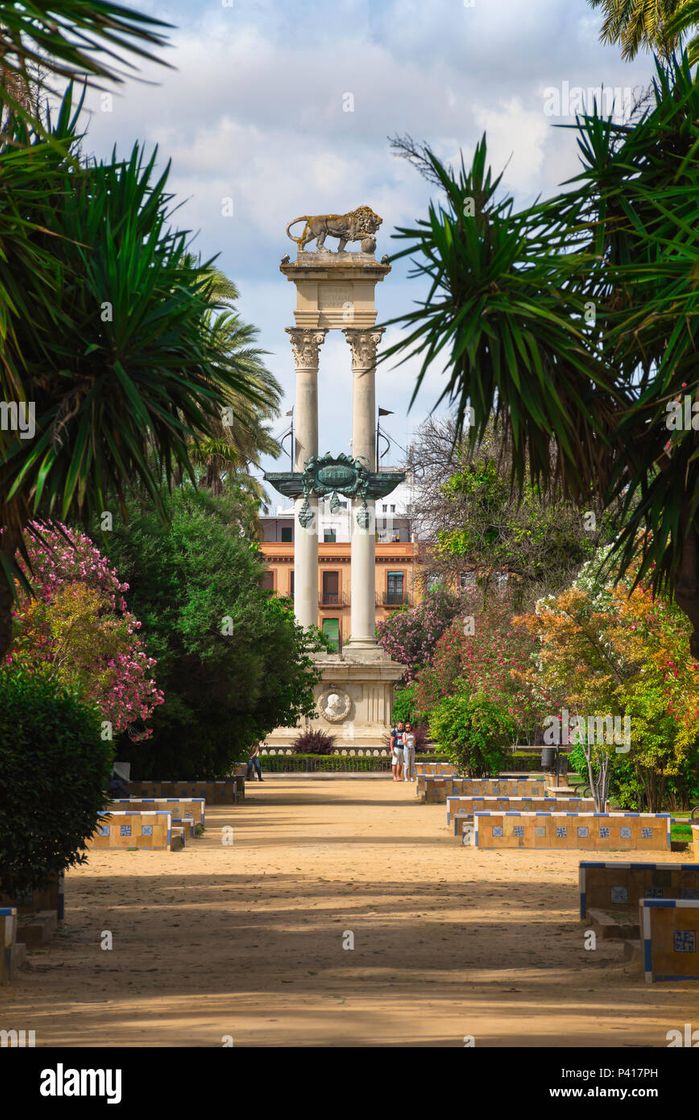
(687, 585)
(8, 548)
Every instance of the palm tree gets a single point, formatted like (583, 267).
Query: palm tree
(640, 23)
(241, 436)
(107, 337)
(686, 19)
(69, 39)
(575, 323)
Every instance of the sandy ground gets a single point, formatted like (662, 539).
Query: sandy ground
(246, 940)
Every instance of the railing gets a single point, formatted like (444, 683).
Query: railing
(333, 599)
(393, 599)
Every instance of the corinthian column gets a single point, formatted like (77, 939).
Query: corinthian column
(363, 581)
(305, 344)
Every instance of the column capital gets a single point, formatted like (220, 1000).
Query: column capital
(305, 344)
(363, 342)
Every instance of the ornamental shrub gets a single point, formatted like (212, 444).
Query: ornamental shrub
(474, 733)
(314, 742)
(54, 773)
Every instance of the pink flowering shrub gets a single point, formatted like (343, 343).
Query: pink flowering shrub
(79, 625)
(410, 636)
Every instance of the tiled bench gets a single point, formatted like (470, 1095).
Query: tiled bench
(178, 806)
(589, 831)
(147, 831)
(436, 790)
(228, 791)
(669, 939)
(11, 951)
(622, 885)
(462, 808)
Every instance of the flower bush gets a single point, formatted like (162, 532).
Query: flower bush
(612, 649)
(410, 636)
(486, 656)
(78, 627)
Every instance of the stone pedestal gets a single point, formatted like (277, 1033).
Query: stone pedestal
(354, 699)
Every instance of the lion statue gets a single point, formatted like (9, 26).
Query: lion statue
(359, 225)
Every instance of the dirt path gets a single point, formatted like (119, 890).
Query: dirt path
(247, 940)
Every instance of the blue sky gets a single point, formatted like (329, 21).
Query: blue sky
(255, 111)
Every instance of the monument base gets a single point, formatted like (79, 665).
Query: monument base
(354, 700)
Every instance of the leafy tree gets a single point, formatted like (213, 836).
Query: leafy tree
(474, 733)
(232, 662)
(54, 773)
(468, 517)
(642, 23)
(241, 435)
(605, 650)
(107, 331)
(78, 629)
(573, 324)
(484, 655)
(404, 705)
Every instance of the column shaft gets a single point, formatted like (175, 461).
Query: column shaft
(306, 345)
(363, 578)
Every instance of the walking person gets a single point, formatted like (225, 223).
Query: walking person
(397, 751)
(408, 754)
(254, 764)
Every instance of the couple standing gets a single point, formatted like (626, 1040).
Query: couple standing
(403, 752)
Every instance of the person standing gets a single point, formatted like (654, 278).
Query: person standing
(397, 751)
(408, 754)
(254, 764)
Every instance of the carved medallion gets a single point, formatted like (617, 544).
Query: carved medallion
(334, 704)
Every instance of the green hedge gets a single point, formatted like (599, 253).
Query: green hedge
(329, 763)
(54, 773)
(310, 763)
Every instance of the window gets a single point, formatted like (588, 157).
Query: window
(331, 588)
(393, 509)
(331, 629)
(330, 536)
(395, 594)
(384, 508)
(287, 534)
(291, 583)
(268, 580)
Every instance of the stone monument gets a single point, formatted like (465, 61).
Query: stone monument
(335, 291)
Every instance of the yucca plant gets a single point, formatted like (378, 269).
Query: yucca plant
(575, 323)
(109, 335)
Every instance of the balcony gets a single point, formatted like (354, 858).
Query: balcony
(393, 599)
(333, 599)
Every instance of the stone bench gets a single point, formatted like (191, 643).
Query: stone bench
(48, 897)
(435, 769)
(178, 806)
(566, 831)
(460, 809)
(146, 831)
(620, 886)
(228, 791)
(435, 791)
(12, 952)
(669, 939)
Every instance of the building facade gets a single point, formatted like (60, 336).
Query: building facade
(395, 571)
